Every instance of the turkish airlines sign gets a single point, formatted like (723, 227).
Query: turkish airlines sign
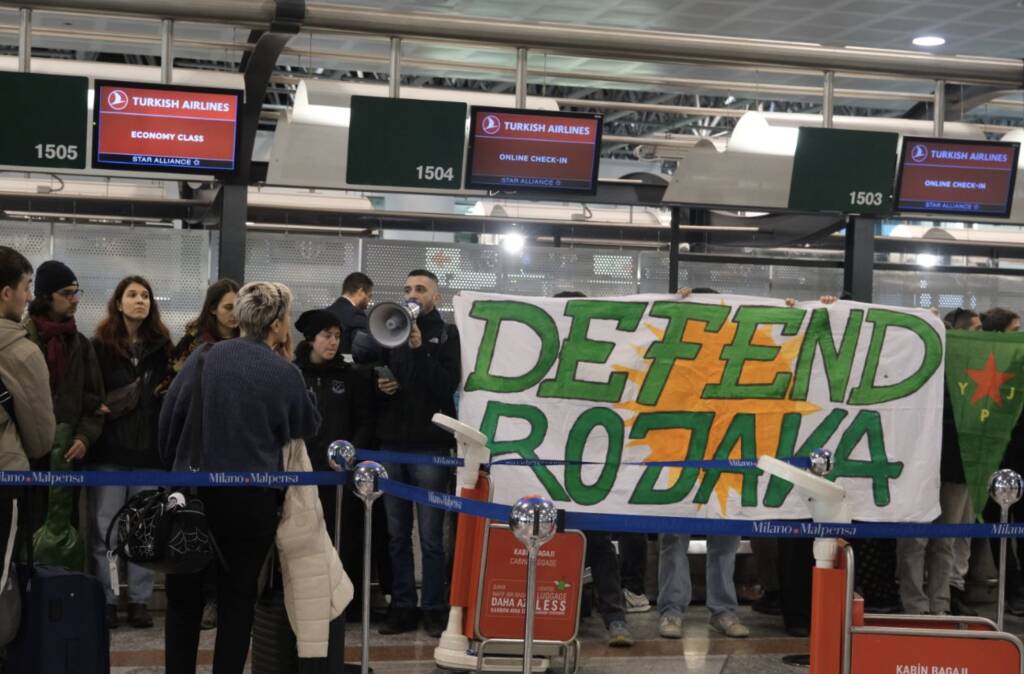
(512, 149)
(160, 128)
(955, 176)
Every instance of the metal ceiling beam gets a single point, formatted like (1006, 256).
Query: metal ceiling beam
(958, 100)
(652, 107)
(761, 89)
(578, 40)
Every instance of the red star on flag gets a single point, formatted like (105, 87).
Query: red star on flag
(989, 381)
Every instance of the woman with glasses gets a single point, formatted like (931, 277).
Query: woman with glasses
(256, 402)
(132, 346)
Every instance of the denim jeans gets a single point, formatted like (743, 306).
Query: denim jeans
(431, 525)
(104, 502)
(934, 557)
(674, 585)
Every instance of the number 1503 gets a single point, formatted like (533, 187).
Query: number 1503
(866, 198)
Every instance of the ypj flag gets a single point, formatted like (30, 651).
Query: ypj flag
(985, 380)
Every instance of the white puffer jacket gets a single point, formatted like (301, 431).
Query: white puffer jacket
(316, 587)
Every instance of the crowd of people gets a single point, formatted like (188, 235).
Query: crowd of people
(131, 398)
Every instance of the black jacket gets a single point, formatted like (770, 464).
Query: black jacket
(344, 396)
(427, 378)
(131, 440)
(951, 467)
(352, 320)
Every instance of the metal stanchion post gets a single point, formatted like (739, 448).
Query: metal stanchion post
(341, 457)
(365, 480)
(533, 521)
(1006, 488)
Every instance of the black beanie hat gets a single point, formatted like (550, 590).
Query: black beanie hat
(311, 322)
(51, 276)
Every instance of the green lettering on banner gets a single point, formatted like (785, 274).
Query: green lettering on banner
(747, 320)
(867, 393)
(741, 430)
(671, 348)
(778, 489)
(699, 425)
(495, 313)
(611, 422)
(577, 348)
(838, 363)
(877, 468)
(524, 447)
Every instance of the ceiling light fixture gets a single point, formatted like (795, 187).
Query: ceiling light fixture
(929, 41)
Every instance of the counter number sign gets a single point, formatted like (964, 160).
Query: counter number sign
(46, 121)
(406, 143)
(838, 170)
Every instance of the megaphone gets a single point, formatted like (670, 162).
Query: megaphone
(391, 322)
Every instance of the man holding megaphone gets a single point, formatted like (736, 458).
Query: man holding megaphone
(419, 377)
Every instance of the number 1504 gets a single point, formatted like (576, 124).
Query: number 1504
(437, 173)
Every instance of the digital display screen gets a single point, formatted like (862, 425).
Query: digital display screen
(165, 128)
(957, 177)
(533, 150)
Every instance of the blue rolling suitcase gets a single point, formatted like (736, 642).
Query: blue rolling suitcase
(63, 623)
(63, 628)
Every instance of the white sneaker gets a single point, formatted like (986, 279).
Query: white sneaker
(671, 626)
(636, 603)
(729, 625)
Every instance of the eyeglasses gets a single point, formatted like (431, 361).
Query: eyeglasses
(70, 294)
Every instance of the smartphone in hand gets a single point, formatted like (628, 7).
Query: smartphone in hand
(384, 372)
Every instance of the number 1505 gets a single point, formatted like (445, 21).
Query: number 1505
(54, 151)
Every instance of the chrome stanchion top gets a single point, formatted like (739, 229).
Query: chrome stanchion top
(534, 521)
(366, 478)
(341, 455)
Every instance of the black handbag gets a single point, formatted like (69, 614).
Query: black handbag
(166, 529)
(124, 399)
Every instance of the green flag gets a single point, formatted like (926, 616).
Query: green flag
(985, 380)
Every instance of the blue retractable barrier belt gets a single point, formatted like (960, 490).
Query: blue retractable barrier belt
(159, 478)
(495, 511)
(426, 458)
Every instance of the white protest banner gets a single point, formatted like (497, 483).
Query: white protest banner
(658, 378)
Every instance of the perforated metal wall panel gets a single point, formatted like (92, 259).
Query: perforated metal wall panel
(781, 281)
(457, 266)
(805, 283)
(175, 262)
(312, 266)
(946, 291)
(546, 271)
(178, 265)
(31, 239)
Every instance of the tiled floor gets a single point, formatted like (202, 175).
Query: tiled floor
(701, 651)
